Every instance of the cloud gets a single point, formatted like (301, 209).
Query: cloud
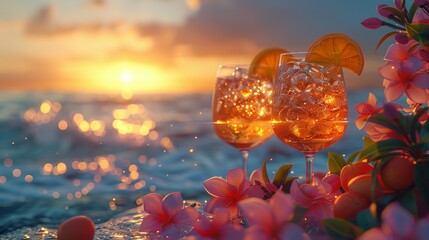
(97, 4)
(241, 26)
(41, 21)
(223, 27)
(10, 25)
(194, 5)
(45, 23)
(220, 29)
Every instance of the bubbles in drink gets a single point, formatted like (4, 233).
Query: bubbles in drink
(242, 109)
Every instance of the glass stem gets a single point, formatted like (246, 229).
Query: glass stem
(245, 157)
(309, 157)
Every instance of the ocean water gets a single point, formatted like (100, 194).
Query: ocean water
(63, 155)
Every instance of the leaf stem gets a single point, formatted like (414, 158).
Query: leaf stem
(394, 26)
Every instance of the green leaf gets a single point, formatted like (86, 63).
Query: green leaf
(299, 214)
(424, 147)
(421, 178)
(424, 136)
(367, 218)
(264, 172)
(415, 124)
(367, 141)
(419, 32)
(407, 200)
(384, 38)
(396, 12)
(281, 174)
(335, 163)
(412, 11)
(384, 201)
(384, 121)
(352, 157)
(287, 184)
(376, 150)
(340, 228)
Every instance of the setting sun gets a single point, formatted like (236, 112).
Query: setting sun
(126, 76)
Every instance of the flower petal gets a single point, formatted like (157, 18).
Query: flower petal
(257, 212)
(203, 227)
(237, 178)
(360, 121)
(333, 180)
(422, 229)
(256, 176)
(217, 187)
(221, 218)
(372, 100)
(394, 91)
(254, 191)
(421, 80)
(320, 210)
(185, 217)
(172, 203)
(232, 231)
(410, 66)
(395, 52)
(256, 232)
(415, 94)
(282, 207)
(217, 203)
(152, 204)
(298, 195)
(390, 71)
(150, 224)
(292, 231)
(316, 189)
(397, 220)
(373, 234)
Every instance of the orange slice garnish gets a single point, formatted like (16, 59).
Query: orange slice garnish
(266, 62)
(338, 49)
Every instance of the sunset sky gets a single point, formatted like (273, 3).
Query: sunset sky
(165, 45)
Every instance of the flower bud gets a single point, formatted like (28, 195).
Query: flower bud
(401, 38)
(398, 4)
(372, 23)
(382, 11)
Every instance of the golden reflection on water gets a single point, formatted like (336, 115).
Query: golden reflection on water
(130, 124)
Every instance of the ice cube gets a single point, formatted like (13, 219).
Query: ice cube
(301, 82)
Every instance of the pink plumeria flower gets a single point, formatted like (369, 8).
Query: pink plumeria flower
(366, 110)
(318, 197)
(398, 223)
(404, 73)
(226, 193)
(379, 133)
(219, 227)
(167, 215)
(271, 219)
(258, 184)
